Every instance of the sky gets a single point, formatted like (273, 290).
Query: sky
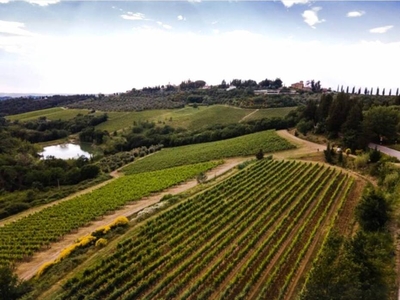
(53, 46)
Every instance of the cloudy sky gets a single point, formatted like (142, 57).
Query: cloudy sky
(51, 46)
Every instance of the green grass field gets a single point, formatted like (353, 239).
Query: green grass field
(195, 118)
(245, 145)
(188, 117)
(54, 113)
(121, 120)
(270, 113)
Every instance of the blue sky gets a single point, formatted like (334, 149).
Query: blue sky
(51, 46)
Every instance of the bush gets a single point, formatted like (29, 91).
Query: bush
(375, 155)
(372, 211)
(260, 154)
(101, 243)
(361, 161)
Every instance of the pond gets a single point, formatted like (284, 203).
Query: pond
(66, 151)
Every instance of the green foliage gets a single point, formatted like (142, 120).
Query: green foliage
(53, 222)
(11, 288)
(372, 211)
(328, 153)
(381, 122)
(361, 161)
(305, 126)
(240, 224)
(351, 269)
(260, 154)
(374, 155)
(201, 177)
(246, 145)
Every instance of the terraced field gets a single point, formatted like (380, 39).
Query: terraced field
(246, 238)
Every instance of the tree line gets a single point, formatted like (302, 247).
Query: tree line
(356, 120)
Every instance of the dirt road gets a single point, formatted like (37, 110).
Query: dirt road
(303, 147)
(28, 270)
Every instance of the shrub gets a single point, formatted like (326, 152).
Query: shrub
(101, 243)
(361, 161)
(372, 211)
(120, 221)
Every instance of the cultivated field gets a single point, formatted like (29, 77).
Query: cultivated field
(249, 237)
(54, 113)
(245, 145)
(21, 239)
(278, 112)
(188, 117)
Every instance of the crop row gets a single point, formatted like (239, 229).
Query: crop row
(20, 239)
(219, 244)
(245, 145)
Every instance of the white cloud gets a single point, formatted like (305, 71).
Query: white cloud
(354, 14)
(4, 1)
(290, 3)
(164, 25)
(181, 18)
(311, 16)
(134, 16)
(49, 64)
(43, 2)
(14, 28)
(381, 29)
(194, 1)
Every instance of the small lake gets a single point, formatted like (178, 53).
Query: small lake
(66, 151)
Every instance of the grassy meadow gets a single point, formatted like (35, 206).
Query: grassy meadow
(187, 117)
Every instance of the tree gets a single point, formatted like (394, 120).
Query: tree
(201, 178)
(352, 128)
(338, 113)
(375, 155)
(383, 92)
(10, 286)
(328, 154)
(372, 211)
(260, 154)
(324, 106)
(397, 92)
(315, 86)
(223, 84)
(379, 122)
(377, 91)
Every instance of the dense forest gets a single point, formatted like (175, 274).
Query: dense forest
(26, 104)
(356, 120)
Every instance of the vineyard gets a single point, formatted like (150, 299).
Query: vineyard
(245, 238)
(19, 240)
(245, 145)
(51, 114)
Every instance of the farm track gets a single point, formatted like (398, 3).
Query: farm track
(248, 115)
(27, 270)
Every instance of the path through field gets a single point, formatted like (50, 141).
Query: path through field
(246, 116)
(28, 270)
(303, 147)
